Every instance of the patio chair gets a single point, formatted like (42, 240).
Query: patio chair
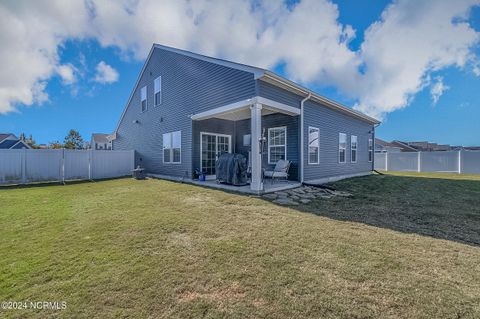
(280, 171)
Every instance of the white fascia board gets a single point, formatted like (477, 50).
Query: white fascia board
(266, 103)
(277, 106)
(275, 79)
(223, 109)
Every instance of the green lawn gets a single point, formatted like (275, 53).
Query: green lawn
(402, 247)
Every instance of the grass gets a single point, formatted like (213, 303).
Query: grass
(126, 248)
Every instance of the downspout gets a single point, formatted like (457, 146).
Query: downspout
(302, 137)
(373, 146)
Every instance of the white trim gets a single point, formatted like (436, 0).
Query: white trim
(171, 148)
(268, 142)
(267, 104)
(223, 110)
(351, 148)
(19, 141)
(345, 158)
(216, 145)
(318, 146)
(279, 81)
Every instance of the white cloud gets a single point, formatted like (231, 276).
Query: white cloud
(67, 73)
(412, 40)
(105, 73)
(437, 89)
(395, 61)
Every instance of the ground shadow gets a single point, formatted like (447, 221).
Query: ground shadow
(441, 208)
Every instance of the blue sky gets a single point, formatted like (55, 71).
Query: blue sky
(90, 103)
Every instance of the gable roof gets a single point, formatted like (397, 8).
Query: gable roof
(5, 135)
(259, 74)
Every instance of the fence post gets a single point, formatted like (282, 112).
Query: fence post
(63, 165)
(90, 164)
(386, 161)
(419, 159)
(24, 166)
(460, 161)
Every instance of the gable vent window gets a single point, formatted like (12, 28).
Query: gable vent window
(143, 96)
(353, 148)
(342, 147)
(158, 90)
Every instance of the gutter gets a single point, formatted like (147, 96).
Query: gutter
(302, 136)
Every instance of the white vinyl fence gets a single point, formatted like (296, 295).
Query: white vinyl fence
(461, 162)
(29, 166)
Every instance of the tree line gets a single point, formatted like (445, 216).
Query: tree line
(73, 140)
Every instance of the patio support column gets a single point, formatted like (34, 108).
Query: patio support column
(256, 183)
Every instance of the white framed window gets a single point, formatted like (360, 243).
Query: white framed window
(370, 149)
(277, 144)
(353, 148)
(143, 98)
(342, 147)
(172, 147)
(313, 145)
(247, 140)
(157, 85)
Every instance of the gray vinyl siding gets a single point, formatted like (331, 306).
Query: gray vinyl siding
(189, 86)
(269, 121)
(269, 91)
(331, 123)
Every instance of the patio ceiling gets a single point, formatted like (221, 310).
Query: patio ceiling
(241, 110)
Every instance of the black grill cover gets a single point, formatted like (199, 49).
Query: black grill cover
(231, 169)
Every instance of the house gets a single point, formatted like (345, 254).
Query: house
(382, 146)
(10, 141)
(404, 147)
(101, 141)
(186, 108)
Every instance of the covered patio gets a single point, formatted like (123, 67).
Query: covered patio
(263, 130)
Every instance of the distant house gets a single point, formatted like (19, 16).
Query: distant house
(101, 142)
(382, 146)
(9, 141)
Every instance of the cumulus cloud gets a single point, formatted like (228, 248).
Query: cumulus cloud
(399, 52)
(67, 73)
(105, 73)
(437, 89)
(412, 40)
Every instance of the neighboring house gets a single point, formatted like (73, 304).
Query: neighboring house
(101, 141)
(10, 141)
(404, 147)
(382, 146)
(186, 108)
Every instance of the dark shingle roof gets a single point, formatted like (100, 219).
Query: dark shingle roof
(7, 144)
